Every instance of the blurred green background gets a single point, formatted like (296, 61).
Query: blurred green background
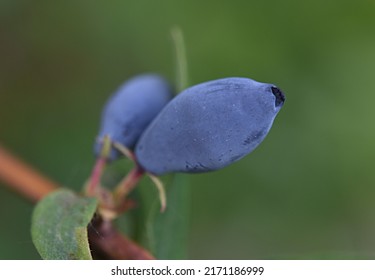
(307, 192)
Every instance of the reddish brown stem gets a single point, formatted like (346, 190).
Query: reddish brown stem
(24, 179)
(30, 184)
(92, 188)
(128, 184)
(109, 242)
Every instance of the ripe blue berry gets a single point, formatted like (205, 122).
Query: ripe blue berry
(209, 126)
(131, 108)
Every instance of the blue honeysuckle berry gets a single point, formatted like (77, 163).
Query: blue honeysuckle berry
(131, 109)
(209, 126)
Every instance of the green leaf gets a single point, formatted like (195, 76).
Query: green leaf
(166, 234)
(59, 226)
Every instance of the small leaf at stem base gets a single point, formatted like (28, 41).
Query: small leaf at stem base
(59, 226)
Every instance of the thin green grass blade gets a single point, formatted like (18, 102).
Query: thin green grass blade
(166, 234)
